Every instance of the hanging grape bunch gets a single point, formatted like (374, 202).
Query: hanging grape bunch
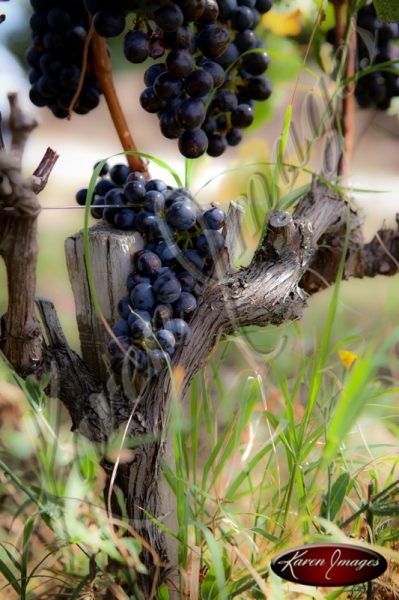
(181, 245)
(203, 91)
(374, 46)
(377, 88)
(59, 31)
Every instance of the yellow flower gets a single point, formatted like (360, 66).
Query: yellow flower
(347, 358)
(284, 24)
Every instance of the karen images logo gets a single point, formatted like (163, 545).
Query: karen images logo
(329, 565)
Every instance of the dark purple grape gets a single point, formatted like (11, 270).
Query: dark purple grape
(182, 38)
(109, 22)
(242, 18)
(226, 7)
(134, 192)
(210, 243)
(167, 251)
(229, 56)
(246, 40)
(167, 288)
(116, 346)
(165, 87)
(114, 200)
(152, 73)
(97, 213)
(162, 313)
(138, 315)
(242, 116)
(199, 83)
(136, 46)
(75, 38)
(154, 201)
(179, 328)
(134, 278)
(124, 308)
(121, 328)
(104, 169)
(256, 63)
(81, 196)
(193, 258)
(119, 173)
(215, 218)
(157, 360)
(58, 18)
(169, 125)
(148, 263)
(140, 329)
(193, 143)
(226, 101)
(187, 281)
(136, 176)
(155, 227)
(150, 101)
(210, 13)
(185, 306)
(179, 63)
(103, 186)
(156, 185)
(38, 23)
(260, 88)
(209, 125)
(166, 339)
(212, 40)
(216, 144)
(125, 219)
(139, 359)
(169, 17)
(47, 86)
(264, 6)
(190, 113)
(192, 9)
(181, 215)
(142, 296)
(217, 72)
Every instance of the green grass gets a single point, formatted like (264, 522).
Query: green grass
(267, 458)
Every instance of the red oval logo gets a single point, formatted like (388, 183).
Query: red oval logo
(329, 565)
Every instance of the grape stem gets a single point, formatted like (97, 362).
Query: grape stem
(348, 108)
(343, 27)
(83, 71)
(103, 71)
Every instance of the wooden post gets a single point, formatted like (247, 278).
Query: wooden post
(111, 253)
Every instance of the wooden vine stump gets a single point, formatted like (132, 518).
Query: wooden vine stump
(111, 253)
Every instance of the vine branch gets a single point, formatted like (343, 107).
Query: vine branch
(21, 338)
(103, 71)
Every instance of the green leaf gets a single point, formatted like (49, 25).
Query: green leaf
(10, 577)
(262, 532)
(333, 501)
(218, 566)
(384, 510)
(163, 592)
(28, 530)
(387, 10)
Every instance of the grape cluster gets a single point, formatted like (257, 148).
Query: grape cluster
(374, 46)
(204, 90)
(377, 88)
(181, 244)
(59, 31)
